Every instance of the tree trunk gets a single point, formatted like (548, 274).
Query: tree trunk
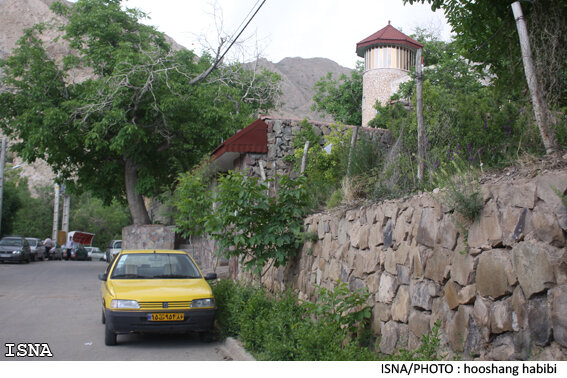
(540, 108)
(135, 201)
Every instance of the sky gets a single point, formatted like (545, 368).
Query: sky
(287, 28)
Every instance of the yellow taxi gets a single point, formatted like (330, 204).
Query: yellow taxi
(155, 291)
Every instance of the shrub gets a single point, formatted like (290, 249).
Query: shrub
(282, 328)
(461, 188)
(246, 221)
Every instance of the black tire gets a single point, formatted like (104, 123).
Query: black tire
(109, 336)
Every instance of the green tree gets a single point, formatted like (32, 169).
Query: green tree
(342, 98)
(24, 214)
(145, 115)
(11, 203)
(90, 214)
(245, 220)
(485, 32)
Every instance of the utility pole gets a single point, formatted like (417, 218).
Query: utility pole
(540, 109)
(2, 163)
(55, 213)
(419, 111)
(66, 208)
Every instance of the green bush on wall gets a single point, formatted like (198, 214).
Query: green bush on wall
(284, 328)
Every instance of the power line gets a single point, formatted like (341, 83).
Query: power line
(241, 31)
(233, 40)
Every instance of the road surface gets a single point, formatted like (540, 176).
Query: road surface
(57, 303)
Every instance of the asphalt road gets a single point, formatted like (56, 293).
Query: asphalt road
(58, 303)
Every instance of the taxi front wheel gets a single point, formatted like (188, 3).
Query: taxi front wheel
(109, 336)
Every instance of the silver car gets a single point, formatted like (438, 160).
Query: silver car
(96, 254)
(113, 250)
(36, 248)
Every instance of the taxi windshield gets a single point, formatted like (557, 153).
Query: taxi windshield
(154, 265)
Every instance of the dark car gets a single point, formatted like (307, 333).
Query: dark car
(55, 253)
(82, 254)
(36, 248)
(14, 248)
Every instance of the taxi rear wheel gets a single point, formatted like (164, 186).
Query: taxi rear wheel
(109, 336)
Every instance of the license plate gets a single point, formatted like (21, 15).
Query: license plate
(166, 317)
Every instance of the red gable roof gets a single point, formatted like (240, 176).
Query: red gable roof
(385, 36)
(253, 138)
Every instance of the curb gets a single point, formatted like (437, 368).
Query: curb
(234, 350)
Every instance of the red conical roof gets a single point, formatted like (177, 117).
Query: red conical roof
(386, 36)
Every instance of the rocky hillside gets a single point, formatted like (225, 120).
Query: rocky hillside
(298, 77)
(298, 74)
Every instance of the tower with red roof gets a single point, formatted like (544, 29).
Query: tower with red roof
(388, 56)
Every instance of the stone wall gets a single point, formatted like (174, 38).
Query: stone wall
(497, 286)
(281, 132)
(148, 236)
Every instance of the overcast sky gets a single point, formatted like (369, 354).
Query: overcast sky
(289, 28)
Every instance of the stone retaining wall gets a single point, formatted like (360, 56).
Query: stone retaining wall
(148, 236)
(280, 136)
(497, 286)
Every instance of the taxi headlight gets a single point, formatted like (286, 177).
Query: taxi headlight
(121, 303)
(206, 302)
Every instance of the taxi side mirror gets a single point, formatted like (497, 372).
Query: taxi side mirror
(210, 276)
(102, 276)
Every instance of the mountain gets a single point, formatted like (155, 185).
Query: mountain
(298, 74)
(298, 77)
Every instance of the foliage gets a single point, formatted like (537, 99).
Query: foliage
(282, 328)
(461, 189)
(429, 350)
(23, 214)
(146, 115)
(342, 98)
(326, 165)
(485, 32)
(464, 118)
(90, 214)
(32, 216)
(230, 299)
(279, 327)
(245, 220)
(341, 307)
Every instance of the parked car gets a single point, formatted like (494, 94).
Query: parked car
(113, 250)
(96, 254)
(81, 254)
(14, 248)
(36, 248)
(80, 241)
(155, 291)
(55, 253)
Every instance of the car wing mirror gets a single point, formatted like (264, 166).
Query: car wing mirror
(102, 276)
(210, 276)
